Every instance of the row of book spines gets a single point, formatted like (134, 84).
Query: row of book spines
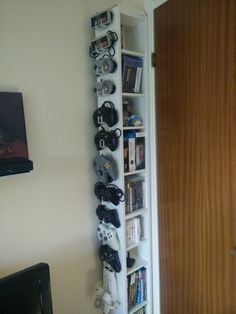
(132, 68)
(132, 82)
(133, 231)
(137, 287)
(134, 196)
(134, 158)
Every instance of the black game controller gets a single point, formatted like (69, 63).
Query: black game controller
(106, 114)
(109, 193)
(108, 215)
(110, 256)
(107, 139)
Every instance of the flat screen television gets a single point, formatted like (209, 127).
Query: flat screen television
(27, 291)
(13, 141)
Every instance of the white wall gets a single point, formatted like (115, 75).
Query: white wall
(50, 215)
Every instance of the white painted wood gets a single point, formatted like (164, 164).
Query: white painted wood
(135, 23)
(157, 3)
(150, 6)
(136, 213)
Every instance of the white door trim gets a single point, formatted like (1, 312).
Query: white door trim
(150, 6)
(157, 3)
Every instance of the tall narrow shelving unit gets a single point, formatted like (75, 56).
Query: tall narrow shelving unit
(130, 25)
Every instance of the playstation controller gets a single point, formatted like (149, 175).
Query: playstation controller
(108, 215)
(110, 256)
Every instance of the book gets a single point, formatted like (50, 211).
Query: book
(134, 194)
(132, 155)
(131, 73)
(134, 151)
(137, 289)
(140, 150)
(129, 151)
(133, 231)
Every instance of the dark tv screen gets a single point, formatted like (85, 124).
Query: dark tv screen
(27, 291)
(13, 141)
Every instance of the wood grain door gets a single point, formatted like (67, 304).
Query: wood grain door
(196, 141)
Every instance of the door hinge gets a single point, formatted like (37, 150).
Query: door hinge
(153, 58)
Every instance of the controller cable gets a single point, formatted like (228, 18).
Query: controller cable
(110, 193)
(111, 49)
(107, 138)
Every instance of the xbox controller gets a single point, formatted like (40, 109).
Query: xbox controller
(108, 215)
(107, 234)
(111, 257)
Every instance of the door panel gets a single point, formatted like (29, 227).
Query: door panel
(196, 141)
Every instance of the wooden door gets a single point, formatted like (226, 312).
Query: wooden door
(196, 142)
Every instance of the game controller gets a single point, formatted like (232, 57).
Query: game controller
(104, 300)
(106, 114)
(109, 193)
(107, 296)
(110, 256)
(108, 139)
(105, 168)
(107, 234)
(108, 215)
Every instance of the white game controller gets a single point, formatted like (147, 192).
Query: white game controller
(107, 296)
(107, 234)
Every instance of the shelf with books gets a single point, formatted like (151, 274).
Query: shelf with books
(135, 195)
(135, 176)
(132, 74)
(131, 156)
(134, 150)
(138, 307)
(134, 231)
(137, 288)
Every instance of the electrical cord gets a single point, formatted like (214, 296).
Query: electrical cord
(109, 193)
(106, 113)
(107, 138)
(111, 50)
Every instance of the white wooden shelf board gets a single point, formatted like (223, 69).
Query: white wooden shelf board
(136, 245)
(136, 213)
(134, 127)
(138, 307)
(132, 53)
(134, 172)
(133, 95)
(139, 263)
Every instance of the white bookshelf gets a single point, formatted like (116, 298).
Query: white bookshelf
(134, 35)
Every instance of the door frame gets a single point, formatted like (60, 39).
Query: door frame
(150, 6)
